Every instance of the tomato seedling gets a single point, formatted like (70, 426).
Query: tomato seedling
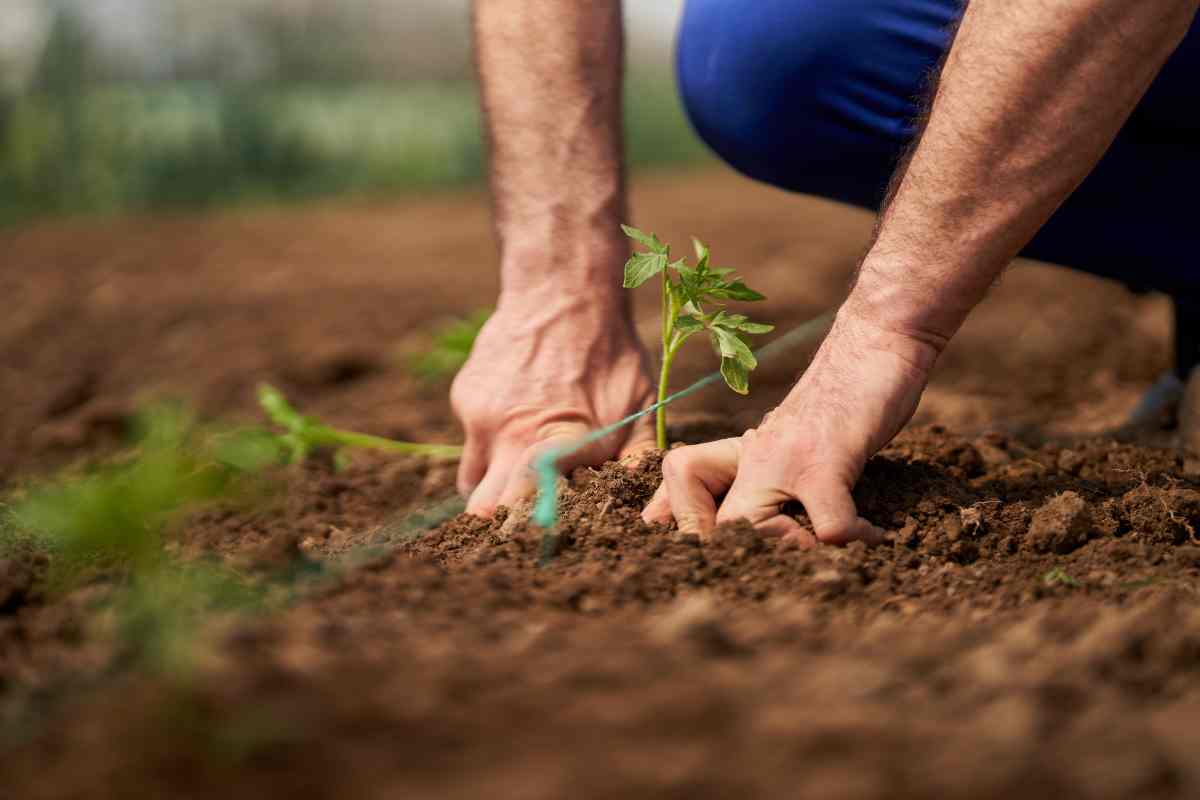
(305, 434)
(685, 299)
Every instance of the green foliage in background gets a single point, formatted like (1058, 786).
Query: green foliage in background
(450, 349)
(117, 515)
(68, 147)
(114, 521)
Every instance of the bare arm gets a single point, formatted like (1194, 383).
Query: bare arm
(560, 355)
(1031, 95)
(551, 75)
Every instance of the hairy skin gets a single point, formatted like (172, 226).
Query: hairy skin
(560, 356)
(1031, 95)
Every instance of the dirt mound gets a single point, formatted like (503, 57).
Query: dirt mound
(1027, 628)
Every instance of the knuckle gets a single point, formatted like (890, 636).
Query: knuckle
(678, 461)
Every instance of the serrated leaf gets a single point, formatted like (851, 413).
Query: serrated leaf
(729, 321)
(641, 267)
(736, 376)
(685, 272)
(691, 283)
(702, 254)
(755, 328)
(648, 239)
(730, 345)
(689, 324)
(736, 291)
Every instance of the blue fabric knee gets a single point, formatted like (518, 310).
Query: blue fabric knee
(822, 97)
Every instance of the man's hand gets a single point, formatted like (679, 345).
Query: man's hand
(1031, 95)
(559, 358)
(860, 390)
(541, 375)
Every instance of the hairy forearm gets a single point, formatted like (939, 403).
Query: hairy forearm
(550, 74)
(1031, 95)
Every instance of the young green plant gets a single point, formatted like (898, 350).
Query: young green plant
(305, 434)
(693, 302)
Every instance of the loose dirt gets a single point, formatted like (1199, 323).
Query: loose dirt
(1029, 627)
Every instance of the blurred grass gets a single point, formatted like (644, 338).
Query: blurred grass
(69, 147)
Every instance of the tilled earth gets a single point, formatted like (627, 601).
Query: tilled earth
(1030, 627)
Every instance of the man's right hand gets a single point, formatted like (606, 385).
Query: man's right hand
(544, 372)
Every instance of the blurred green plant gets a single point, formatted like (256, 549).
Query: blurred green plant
(1058, 577)
(71, 146)
(114, 521)
(450, 349)
(304, 435)
(159, 612)
(117, 515)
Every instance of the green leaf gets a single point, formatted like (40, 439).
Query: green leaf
(728, 321)
(689, 325)
(730, 345)
(648, 239)
(641, 267)
(755, 328)
(702, 254)
(737, 291)
(690, 281)
(278, 409)
(736, 376)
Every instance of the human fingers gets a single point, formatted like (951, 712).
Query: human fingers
(561, 441)
(758, 503)
(693, 477)
(825, 495)
(483, 501)
(658, 510)
(474, 463)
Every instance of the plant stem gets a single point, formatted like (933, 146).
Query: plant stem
(365, 440)
(668, 355)
(664, 375)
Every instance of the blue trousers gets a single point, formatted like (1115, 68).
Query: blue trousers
(820, 97)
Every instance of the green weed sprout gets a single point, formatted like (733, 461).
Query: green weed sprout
(116, 515)
(452, 343)
(305, 434)
(684, 312)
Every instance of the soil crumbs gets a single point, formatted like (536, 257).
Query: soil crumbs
(1029, 627)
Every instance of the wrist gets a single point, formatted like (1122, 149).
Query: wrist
(861, 327)
(565, 269)
(900, 303)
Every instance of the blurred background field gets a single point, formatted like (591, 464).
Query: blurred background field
(114, 105)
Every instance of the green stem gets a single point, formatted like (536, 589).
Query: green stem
(668, 355)
(664, 382)
(367, 441)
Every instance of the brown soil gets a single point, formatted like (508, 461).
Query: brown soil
(1029, 628)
